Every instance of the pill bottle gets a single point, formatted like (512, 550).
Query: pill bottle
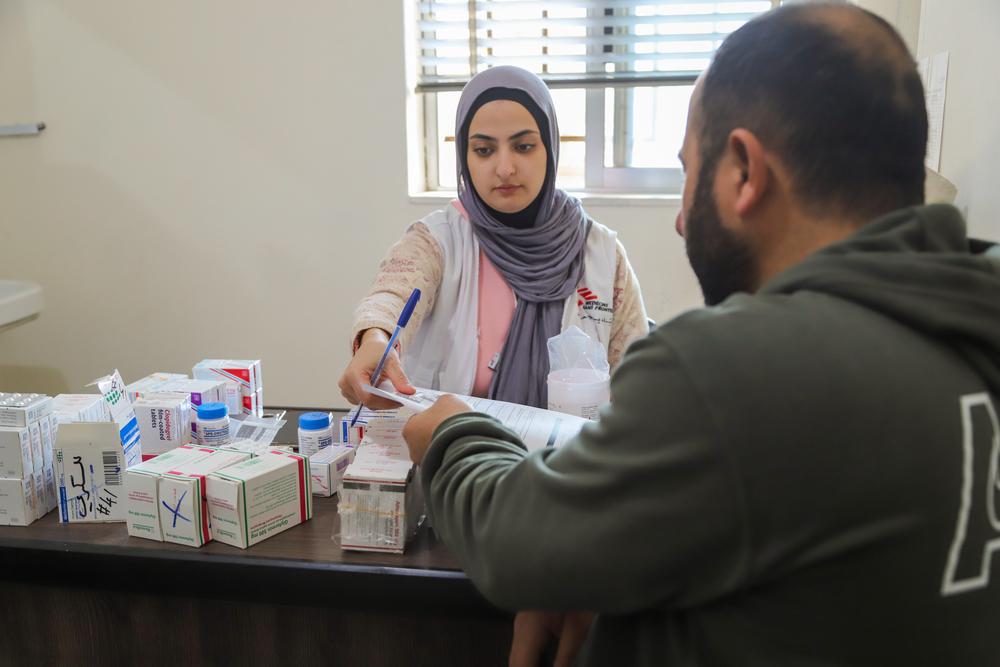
(315, 432)
(213, 424)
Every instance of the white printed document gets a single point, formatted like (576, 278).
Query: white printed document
(934, 75)
(537, 428)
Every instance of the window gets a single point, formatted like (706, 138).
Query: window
(621, 74)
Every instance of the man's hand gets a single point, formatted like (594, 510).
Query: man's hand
(359, 372)
(420, 427)
(535, 630)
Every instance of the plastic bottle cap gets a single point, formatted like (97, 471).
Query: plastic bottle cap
(314, 421)
(212, 411)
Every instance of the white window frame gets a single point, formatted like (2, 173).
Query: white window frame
(598, 177)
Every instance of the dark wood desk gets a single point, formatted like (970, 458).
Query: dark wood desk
(90, 594)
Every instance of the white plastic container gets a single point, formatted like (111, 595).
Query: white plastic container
(315, 432)
(578, 391)
(213, 424)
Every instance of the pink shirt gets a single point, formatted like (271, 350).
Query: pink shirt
(495, 313)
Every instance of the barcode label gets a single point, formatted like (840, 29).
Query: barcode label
(251, 432)
(112, 470)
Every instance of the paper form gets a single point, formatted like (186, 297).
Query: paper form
(934, 75)
(537, 428)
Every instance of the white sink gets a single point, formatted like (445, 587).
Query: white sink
(20, 301)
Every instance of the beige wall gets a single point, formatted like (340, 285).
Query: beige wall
(903, 14)
(971, 136)
(217, 179)
(220, 179)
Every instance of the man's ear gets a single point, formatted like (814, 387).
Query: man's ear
(749, 173)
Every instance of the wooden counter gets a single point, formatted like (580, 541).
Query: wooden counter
(90, 594)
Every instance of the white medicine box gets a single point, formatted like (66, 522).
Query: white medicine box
(89, 473)
(17, 502)
(15, 452)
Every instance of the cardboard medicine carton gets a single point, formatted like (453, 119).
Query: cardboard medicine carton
(258, 498)
(89, 473)
(15, 453)
(184, 515)
(142, 489)
(381, 504)
(244, 379)
(164, 421)
(17, 506)
(19, 410)
(326, 468)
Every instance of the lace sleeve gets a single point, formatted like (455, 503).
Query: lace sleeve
(630, 321)
(415, 261)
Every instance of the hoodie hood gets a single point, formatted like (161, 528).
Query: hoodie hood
(915, 265)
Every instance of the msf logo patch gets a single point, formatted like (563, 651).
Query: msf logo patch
(592, 307)
(585, 295)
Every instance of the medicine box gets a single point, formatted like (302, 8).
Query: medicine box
(183, 501)
(258, 498)
(89, 472)
(19, 410)
(15, 453)
(49, 428)
(26, 455)
(80, 408)
(200, 391)
(245, 372)
(115, 394)
(164, 421)
(40, 434)
(48, 439)
(41, 493)
(326, 467)
(246, 383)
(38, 465)
(353, 435)
(37, 455)
(251, 447)
(380, 506)
(253, 404)
(149, 383)
(142, 489)
(16, 502)
(234, 398)
(51, 491)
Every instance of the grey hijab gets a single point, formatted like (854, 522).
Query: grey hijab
(543, 264)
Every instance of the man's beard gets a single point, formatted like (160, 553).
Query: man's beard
(723, 261)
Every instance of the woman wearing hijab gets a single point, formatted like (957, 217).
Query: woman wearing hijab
(509, 264)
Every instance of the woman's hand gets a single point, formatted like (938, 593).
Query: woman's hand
(419, 429)
(359, 372)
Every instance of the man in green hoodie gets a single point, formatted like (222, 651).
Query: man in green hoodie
(805, 471)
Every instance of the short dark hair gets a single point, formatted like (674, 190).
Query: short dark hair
(843, 110)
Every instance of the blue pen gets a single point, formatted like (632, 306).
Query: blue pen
(404, 317)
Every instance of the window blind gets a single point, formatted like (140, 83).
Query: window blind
(575, 43)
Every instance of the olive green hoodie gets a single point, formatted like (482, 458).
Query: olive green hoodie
(806, 476)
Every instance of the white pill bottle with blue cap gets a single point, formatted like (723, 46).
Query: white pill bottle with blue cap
(315, 432)
(213, 424)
